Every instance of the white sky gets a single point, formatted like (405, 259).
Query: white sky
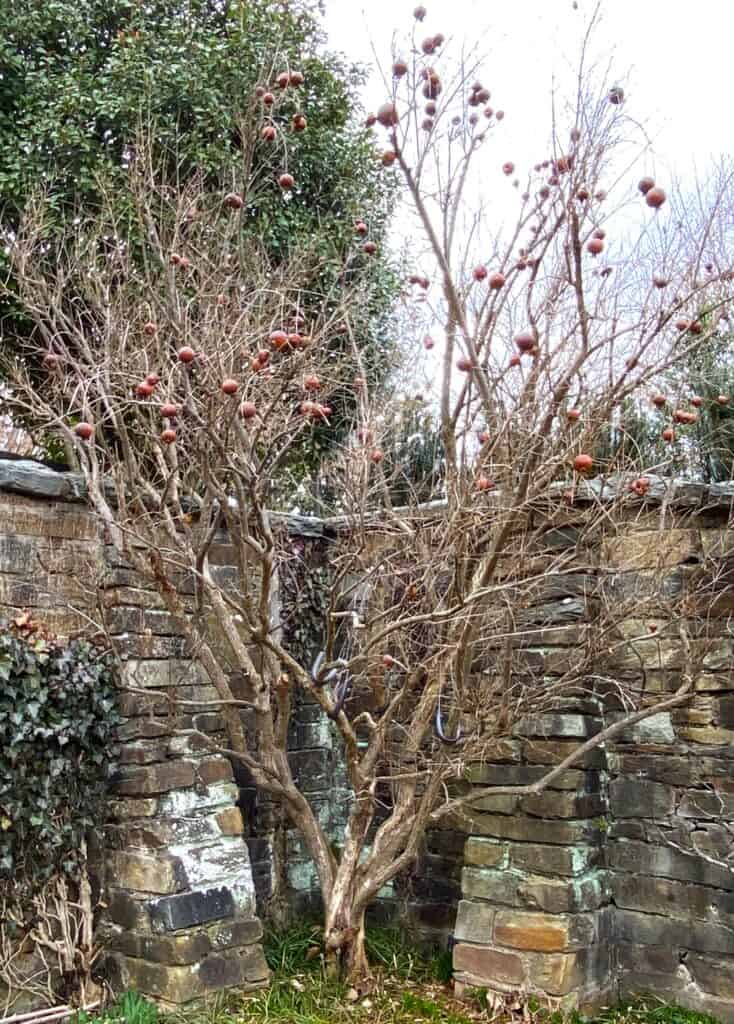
(674, 58)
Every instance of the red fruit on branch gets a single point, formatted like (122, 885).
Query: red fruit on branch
(169, 411)
(268, 99)
(722, 399)
(149, 328)
(268, 133)
(696, 327)
(595, 246)
(464, 364)
(428, 342)
(500, 115)
(640, 486)
(388, 158)
(668, 435)
(299, 123)
(168, 436)
(263, 356)
(484, 483)
(186, 354)
(645, 184)
(573, 415)
(286, 181)
(297, 78)
(283, 80)
(496, 281)
(279, 340)
(399, 69)
(525, 341)
(660, 282)
(360, 228)
(153, 379)
(583, 463)
(682, 324)
(248, 410)
(480, 273)
(483, 436)
(515, 361)
(508, 168)
(658, 401)
(370, 248)
(697, 402)
(230, 386)
(376, 456)
(84, 430)
(387, 115)
(655, 197)
(387, 661)
(233, 201)
(51, 360)
(144, 389)
(312, 383)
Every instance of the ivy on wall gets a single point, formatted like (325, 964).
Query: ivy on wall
(57, 722)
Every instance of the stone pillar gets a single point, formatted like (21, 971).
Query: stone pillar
(535, 912)
(181, 914)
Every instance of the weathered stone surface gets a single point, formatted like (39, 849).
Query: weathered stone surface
(474, 922)
(656, 929)
(676, 899)
(162, 949)
(540, 859)
(177, 985)
(713, 975)
(564, 726)
(141, 872)
(33, 479)
(557, 974)
(230, 822)
(534, 829)
(187, 909)
(661, 959)
(564, 805)
(161, 778)
(543, 932)
(639, 798)
(491, 965)
(668, 862)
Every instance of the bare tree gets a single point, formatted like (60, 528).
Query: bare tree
(185, 373)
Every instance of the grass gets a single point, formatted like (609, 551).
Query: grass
(410, 987)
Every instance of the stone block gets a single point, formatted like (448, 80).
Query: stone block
(175, 950)
(541, 859)
(161, 778)
(703, 803)
(563, 726)
(675, 899)
(563, 805)
(561, 896)
(127, 912)
(213, 770)
(558, 974)
(226, 934)
(484, 853)
(543, 933)
(634, 549)
(640, 798)
(668, 862)
(550, 752)
(141, 872)
(709, 736)
(713, 975)
(657, 929)
(534, 830)
(229, 822)
(488, 964)
(123, 810)
(660, 959)
(474, 922)
(187, 909)
(523, 775)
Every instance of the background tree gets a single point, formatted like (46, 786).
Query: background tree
(80, 81)
(185, 386)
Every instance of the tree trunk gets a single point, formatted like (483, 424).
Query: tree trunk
(344, 937)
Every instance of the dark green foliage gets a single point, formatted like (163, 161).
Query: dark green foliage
(83, 81)
(57, 717)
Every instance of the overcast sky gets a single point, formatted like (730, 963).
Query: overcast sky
(674, 58)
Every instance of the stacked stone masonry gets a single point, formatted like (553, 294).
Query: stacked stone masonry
(617, 879)
(180, 921)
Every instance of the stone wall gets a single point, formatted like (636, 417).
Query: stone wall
(619, 879)
(616, 879)
(180, 921)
